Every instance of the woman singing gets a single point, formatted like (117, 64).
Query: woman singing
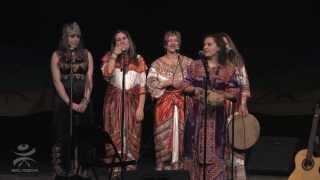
(122, 58)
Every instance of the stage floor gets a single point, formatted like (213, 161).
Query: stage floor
(146, 168)
(48, 177)
(34, 130)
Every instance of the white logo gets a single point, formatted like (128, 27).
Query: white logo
(24, 162)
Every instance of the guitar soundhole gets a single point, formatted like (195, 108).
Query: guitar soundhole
(307, 164)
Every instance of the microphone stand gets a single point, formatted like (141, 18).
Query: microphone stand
(71, 150)
(205, 64)
(123, 68)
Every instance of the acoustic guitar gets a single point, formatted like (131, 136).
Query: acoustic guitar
(307, 166)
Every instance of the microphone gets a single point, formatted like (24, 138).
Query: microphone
(177, 49)
(123, 59)
(72, 50)
(201, 54)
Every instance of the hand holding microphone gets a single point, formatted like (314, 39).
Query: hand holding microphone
(118, 50)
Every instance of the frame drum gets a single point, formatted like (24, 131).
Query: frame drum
(246, 131)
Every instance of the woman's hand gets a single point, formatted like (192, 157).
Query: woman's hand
(82, 107)
(165, 83)
(178, 84)
(198, 92)
(243, 110)
(75, 107)
(139, 114)
(215, 99)
(79, 107)
(117, 50)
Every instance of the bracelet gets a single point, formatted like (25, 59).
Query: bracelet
(85, 100)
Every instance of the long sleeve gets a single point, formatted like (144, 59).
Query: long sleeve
(142, 68)
(243, 80)
(153, 82)
(104, 66)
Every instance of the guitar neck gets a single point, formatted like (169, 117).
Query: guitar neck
(313, 132)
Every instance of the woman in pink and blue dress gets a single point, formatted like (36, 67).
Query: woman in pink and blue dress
(223, 87)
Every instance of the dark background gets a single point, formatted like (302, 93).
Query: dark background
(274, 37)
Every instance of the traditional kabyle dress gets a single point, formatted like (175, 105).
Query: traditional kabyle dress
(135, 81)
(170, 112)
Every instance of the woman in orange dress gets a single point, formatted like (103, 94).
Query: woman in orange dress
(123, 53)
(165, 83)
